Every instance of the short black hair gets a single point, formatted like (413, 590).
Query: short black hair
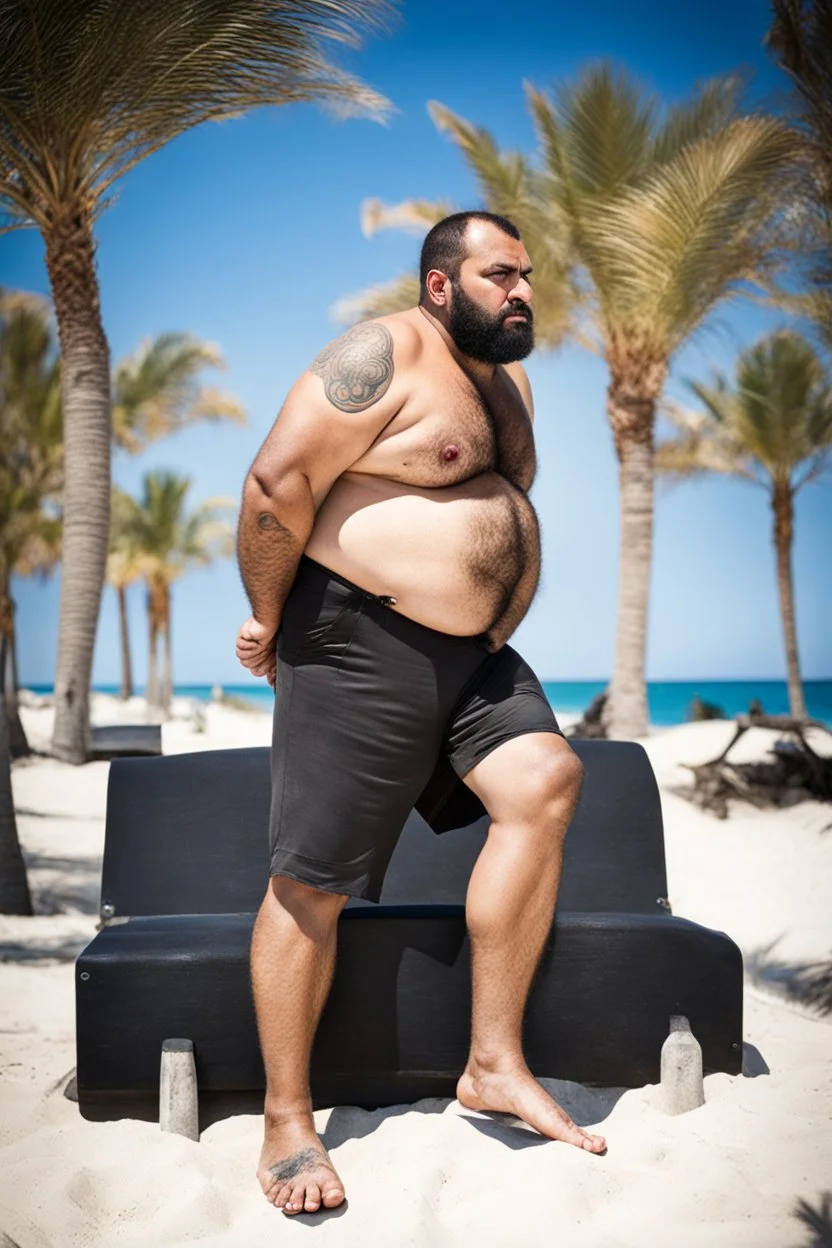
(444, 246)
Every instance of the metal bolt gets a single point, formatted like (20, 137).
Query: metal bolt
(735, 1045)
(85, 975)
(107, 909)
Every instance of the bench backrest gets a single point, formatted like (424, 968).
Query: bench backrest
(188, 834)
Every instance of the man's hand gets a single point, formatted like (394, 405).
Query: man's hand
(256, 649)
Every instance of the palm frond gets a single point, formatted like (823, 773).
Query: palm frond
(394, 296)
(711, 108)
(774, 421)
(596, 131)
(698, 229)
(87, 94)
(156, 390)
(511, 187)
(504, 177)
(40, 549)
(703, 444)
(155, 538)
(31, 435)
(414, 216)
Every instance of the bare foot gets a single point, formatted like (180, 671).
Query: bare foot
(515, 1090)
(295, 1171)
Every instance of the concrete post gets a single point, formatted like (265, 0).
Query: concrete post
(683, 1087)
(178, 1099)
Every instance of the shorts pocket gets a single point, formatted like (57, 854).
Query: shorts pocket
(311, 620)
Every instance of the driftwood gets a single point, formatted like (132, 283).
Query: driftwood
(793, 774)
(592, 725)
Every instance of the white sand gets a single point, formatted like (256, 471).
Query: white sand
(731, 1173)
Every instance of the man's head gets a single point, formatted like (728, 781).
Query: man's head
(474, 278)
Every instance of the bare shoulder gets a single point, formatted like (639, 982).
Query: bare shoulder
(357, 369)
(520, 377)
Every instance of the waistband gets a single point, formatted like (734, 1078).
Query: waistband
(387, 600)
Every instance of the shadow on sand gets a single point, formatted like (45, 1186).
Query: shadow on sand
(817, 1220)
(58, 949)
(809, 983)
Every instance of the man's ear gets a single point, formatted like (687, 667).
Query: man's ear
(437, 284)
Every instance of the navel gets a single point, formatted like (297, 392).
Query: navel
(450, 453)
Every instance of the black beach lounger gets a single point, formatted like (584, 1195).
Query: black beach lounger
(185, 869)
(126, 741)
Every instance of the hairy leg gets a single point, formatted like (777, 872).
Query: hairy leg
(530, 787)
(292, 964)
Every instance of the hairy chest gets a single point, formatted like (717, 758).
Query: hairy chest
(449, 431)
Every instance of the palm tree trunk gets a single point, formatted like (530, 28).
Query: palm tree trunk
(18, 744)
(152, 669)
(126, 665)
(782, 502)
(14, 887)
(167, 678)
(632, 415)
(85, 394)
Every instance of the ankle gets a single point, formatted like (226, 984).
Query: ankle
(279, 1112)
(506, 1061)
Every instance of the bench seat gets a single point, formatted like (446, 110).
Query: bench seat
(192, 829)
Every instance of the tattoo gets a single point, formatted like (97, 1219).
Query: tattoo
(357, 368)
(267, 521)
(306, 1159)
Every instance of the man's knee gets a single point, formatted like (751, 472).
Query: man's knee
(551, 785)
(312, 909)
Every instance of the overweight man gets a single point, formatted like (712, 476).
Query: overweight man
(389, 550)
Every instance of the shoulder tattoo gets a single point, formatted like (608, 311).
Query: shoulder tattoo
(357, 368)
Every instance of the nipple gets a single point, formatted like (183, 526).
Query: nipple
(450, 453)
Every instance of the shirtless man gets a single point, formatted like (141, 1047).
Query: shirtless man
(389, 550)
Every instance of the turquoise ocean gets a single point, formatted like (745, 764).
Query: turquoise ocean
(669, 700)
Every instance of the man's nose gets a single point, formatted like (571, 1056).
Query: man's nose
(522, 291)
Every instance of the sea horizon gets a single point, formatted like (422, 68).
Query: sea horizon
(669, 701)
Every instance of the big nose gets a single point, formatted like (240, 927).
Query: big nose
(522, 292)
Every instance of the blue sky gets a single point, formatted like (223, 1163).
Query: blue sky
(247, 233)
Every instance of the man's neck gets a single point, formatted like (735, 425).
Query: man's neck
(479, 370)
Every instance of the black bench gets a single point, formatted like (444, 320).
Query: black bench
(126, 741)
(185, 868)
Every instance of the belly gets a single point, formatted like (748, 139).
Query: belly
(452, 557)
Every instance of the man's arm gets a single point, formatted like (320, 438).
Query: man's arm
(520, 377)
(331, 417)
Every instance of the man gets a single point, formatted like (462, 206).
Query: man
(389, 550)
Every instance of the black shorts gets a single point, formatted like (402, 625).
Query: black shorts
(375, 715)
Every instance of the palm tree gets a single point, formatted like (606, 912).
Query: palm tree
(164, 542)
(124, 567)
(772, 427)
(30, 470)
(87, 92)
(156, 390)
(800, 39)
(14, 886)
(654, 216)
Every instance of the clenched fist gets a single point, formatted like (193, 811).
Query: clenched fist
(256, 649)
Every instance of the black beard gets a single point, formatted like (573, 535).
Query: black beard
(486, 337)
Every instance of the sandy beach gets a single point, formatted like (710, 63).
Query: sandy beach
(739, 1172)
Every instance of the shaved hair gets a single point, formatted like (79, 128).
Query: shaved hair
(444, 247)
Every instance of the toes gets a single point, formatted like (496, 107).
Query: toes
(281, 1194)
(313, 1197)
(333, 1197)
(295, 1202)
(270, 1185)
